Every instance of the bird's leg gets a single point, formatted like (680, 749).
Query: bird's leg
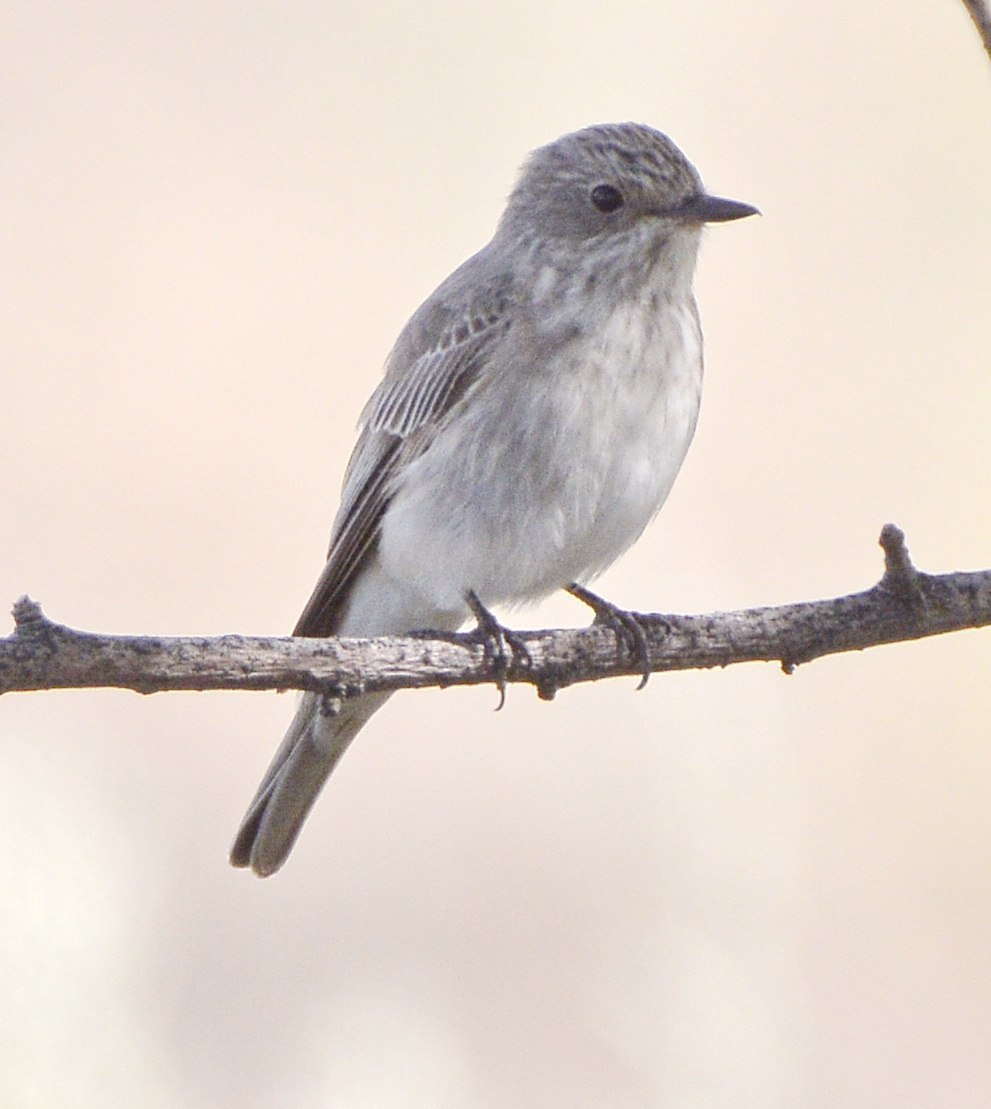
(627, 626)
(502, 647)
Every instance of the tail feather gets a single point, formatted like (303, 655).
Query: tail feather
(312, 747)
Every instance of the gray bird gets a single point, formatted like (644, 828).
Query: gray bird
(531, 420)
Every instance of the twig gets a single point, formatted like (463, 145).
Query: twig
(905, 604)
(980, 13)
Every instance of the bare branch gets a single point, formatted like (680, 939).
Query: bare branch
(980, 13)
(905, 604)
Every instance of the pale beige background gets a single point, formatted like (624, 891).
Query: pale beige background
(733, 889)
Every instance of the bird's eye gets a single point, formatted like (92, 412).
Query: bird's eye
(606, 198)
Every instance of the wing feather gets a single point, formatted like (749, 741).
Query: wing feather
(439, 355)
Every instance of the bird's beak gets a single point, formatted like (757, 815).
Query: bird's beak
(711, 209)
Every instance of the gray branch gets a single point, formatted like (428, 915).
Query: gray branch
(905, 604)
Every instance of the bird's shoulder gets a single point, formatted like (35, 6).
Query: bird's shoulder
(444, 347)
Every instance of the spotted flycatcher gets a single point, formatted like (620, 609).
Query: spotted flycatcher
(532, 418)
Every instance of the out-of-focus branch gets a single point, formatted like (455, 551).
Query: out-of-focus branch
(905, 604)
(980, 13)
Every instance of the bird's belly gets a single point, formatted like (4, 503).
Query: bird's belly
(548, 479)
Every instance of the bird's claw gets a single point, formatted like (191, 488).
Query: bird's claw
(503, 648)
(627, 626)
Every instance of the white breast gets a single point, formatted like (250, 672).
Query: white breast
(644, 387)
(552, 470)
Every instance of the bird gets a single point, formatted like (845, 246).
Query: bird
(529, 424)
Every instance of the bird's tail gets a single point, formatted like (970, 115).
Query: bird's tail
(314, 743)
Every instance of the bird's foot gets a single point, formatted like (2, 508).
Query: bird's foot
(503, 648)
(627, 626)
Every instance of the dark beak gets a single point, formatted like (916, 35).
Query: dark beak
(711, 209)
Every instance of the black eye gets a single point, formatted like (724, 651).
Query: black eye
(606, 198)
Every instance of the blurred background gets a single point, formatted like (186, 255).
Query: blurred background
(734, 888)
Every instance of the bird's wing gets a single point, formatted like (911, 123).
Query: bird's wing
(441, 352)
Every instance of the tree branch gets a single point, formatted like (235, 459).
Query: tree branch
(980, 13)
(905, 604)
